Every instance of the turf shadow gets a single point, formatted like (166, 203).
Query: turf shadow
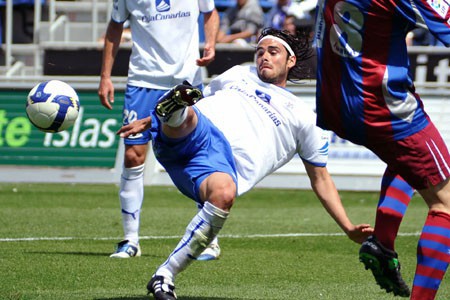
(104, 254)
(179, 298)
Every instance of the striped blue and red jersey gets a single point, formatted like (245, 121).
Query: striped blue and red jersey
(365, 90)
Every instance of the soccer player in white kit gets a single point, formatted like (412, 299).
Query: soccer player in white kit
(247, 126)
(165, 52)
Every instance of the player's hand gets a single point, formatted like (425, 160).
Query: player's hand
(135, 127)
(359, 233)
(106, 92)
(209, 53)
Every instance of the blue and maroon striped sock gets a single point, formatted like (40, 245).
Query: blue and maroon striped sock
(433, 256)
(394, 199)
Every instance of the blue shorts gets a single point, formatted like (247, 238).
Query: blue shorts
(191, 159)
(139, 103)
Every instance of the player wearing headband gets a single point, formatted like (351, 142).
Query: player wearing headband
(247, 126)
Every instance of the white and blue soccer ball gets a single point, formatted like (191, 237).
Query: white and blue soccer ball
(52, 106)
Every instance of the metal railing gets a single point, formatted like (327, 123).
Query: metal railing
(58, 18)
(93, 7)
(56, 24)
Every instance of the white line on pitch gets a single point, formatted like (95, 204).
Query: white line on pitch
(232, 236)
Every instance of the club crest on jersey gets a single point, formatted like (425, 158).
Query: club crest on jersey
(162, 5)
(263, 96)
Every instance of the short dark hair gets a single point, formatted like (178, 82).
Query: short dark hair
(300, 44)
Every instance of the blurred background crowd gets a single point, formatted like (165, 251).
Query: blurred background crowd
(241, 21)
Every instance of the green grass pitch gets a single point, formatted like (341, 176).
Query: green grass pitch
(55, 240)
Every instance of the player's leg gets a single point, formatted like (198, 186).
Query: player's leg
(200, 232)
(212, 252)
(377, 253)
(433, 250)
(131, 196)
(139, 102)
(206, 174)
(220, 191)
(395, 196)
(178, 121)
(423, 160)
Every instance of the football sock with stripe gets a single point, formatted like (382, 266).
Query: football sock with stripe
(131, 196)
(394, 199)
(433, 256)
(202, 229)
(216, 239)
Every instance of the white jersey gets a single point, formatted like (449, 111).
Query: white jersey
(165, 40)
(251, 114)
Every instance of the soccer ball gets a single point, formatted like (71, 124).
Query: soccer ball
(52, 106)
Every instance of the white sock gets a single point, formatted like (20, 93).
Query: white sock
(202, 229)
(131, 196)
(215, 241)
(177, 117)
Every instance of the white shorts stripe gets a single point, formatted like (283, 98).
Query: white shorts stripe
(436, 159)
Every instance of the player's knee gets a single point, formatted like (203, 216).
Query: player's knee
(219, 189)
(223, 195)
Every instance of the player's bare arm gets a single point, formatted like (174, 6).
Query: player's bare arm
(211, 28)
(111, 46)
(326, 191)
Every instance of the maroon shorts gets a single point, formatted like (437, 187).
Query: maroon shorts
(421, 158)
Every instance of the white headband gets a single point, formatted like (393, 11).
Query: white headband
(281, 41)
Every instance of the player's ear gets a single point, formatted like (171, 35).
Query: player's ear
(292, 60)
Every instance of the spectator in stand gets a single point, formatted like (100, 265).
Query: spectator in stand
(276, 16)
(306, 27)
(290, 24)
(292, 16)
(241, 24)
(304, 11)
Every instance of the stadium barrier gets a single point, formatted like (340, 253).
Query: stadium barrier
(90, 152)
